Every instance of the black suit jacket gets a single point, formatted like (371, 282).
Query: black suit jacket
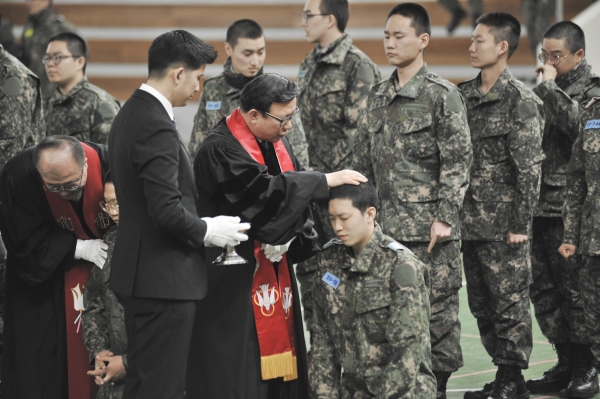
(159, 251)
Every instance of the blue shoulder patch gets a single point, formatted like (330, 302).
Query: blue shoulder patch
(213, 105)
(592, 124)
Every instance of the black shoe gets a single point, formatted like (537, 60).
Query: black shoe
(483, 394)
(556, 378)
(505, 384)
(584, 382)
(442, 379)
(457, 17)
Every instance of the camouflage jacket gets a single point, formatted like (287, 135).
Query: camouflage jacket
(38, 29)
(7, 38)
(561, 111)
(581, 213)
(104, 318)
(371, 317)
(86, 112)
(219, 99)
(414, 144)
(506, 127)
(22, 120)
(334, 89)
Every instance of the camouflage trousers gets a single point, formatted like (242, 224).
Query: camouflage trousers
(555, 289)
(109, 391)
(589, 286)
(538, 15)
(498, 279)
(475, 6)
(306, 272)
(445, 272)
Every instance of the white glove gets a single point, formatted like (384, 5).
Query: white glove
(92, 251)
(275, 252)
(225, 230)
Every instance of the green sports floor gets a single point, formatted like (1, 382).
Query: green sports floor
(478, 368)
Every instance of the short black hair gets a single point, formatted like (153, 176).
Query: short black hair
(178, 48)
(504, 27)
(59, 142)
(265, 90)
(417, 13)
(568, 31)
(108, 177)
(245, 29)
(75, 44)
(362, 196)
(340, 9)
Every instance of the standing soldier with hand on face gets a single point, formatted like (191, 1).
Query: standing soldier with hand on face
(567, 81)
(246, 51)
(335, 79)
(77, 107)
(414, 139)
(506, 123)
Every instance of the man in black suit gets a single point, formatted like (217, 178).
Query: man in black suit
(158, 266)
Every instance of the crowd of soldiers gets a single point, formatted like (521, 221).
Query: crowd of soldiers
(489, 175)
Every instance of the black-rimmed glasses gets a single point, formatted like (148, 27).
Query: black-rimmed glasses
(61, 188)
(109, 207)
(56, 59)
(286, 119)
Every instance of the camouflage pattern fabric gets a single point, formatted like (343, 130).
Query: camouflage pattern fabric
(475, 6)
(414, 144)
(86, 112)
(506, 127)
(219, 99)
(498, 279)
(104, 319)
(374, 324)
(334, 88)
(22, 121)
(444, 266)
(581, 211)
(7, 38)
(590, 295)
(38, 29)
(538, 16)
(555, 289)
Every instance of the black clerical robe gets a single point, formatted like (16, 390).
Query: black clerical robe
(34, 357)
(224, 356)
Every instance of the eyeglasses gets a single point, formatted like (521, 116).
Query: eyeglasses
(307, 16)
(286, 119)
(60, 188)
(554, 58)
(109, 206)
(56, 59)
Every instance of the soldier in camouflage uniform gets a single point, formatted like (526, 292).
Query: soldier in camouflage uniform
(414, 144)
(41, 25)
(334, 79)
(567, 81)
(246, 49)
(538, 16)
(506, 123)
(458, 13)
(7, 38)
(582, 232)
(77, 107)
(371, 309)
(103, 316)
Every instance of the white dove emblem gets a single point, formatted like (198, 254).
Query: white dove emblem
(266, 298)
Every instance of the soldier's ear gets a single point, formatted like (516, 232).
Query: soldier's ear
(228, 49)
(371, 213)
(502, 48)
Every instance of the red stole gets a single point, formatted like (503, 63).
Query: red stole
(271, 299)
(80, 384)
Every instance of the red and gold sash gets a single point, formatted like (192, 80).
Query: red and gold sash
(80, 384)
(272, 299)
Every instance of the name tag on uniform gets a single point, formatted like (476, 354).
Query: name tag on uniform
(331, 280)
(213, 105)
(592, 124)
(374, 283)
(302, 73)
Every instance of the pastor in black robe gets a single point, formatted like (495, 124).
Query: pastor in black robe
(34, 358)
(224, 357)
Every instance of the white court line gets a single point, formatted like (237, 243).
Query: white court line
(479, 337)
(494, 370)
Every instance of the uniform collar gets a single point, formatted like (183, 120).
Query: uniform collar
(411, 88)
(41, 17)
(58, 97)
(495, 93)
(362, 263)
(338, 53)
